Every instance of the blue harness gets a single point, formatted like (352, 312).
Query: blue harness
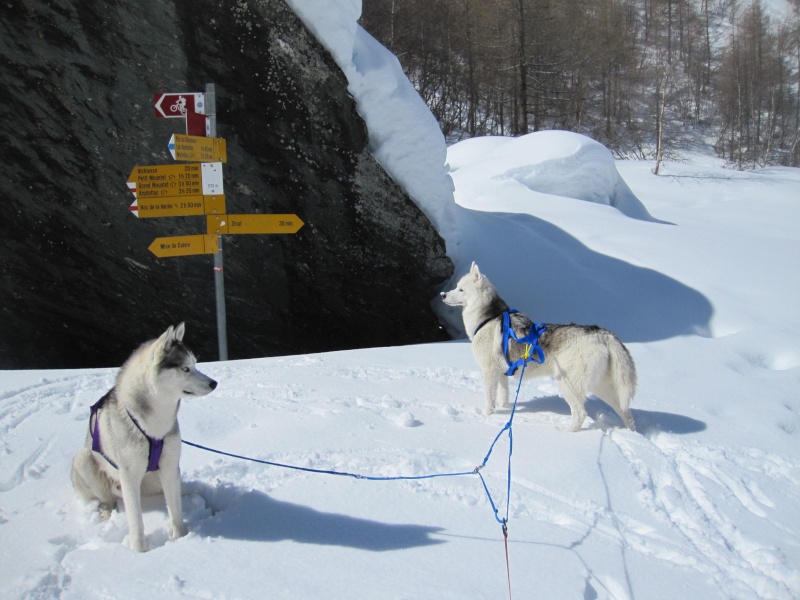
(531, 342)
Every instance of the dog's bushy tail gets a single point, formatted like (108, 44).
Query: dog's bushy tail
(622, 372)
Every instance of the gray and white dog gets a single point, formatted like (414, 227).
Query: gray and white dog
(582, 359)
(133, 446)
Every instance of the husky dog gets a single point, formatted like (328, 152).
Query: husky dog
(583, 359)
(133, 446)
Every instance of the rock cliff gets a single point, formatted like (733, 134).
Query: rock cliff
(78, 286)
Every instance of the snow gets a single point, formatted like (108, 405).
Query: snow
(701, 502)
(415, 156)
(551, 162)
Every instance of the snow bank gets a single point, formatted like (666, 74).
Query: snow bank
(404, 135)
(558, 163)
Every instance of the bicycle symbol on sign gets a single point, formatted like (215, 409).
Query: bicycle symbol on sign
(179, 106)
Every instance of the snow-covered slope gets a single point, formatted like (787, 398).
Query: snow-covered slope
(702, 502)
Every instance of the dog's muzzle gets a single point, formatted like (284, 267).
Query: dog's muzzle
(211, 384)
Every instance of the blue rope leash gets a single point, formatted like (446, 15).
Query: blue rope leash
(328, 472)
(506, 427)
(475, 471)
(531, 342)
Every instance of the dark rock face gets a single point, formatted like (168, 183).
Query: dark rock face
(78, 286)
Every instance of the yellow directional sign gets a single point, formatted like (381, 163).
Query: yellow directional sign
(161, 181)
(179, 206)
(197, 148)
(236, 224)
(166, 180)
(184, 245)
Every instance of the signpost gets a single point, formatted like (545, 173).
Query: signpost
(219, 276)
(195, 188)
(237, 224)
(184, 245)
(196, 148)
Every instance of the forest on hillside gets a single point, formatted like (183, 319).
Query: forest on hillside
(644, 77)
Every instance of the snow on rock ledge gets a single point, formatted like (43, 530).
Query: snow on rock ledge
(404, 135)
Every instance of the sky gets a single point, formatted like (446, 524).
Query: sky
(695, 270)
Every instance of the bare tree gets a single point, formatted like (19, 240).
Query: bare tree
(625, 72)
(662, 94)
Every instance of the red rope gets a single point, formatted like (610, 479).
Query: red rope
(508, 568)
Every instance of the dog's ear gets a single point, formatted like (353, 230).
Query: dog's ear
(179, 331)
(476, 273)
(164, 342)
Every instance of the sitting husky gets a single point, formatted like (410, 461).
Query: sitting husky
(583, 359)
(134, 445)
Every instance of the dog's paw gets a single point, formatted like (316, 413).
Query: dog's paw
(575, 426)
(138, 545)
(177, 530)
(105, 511)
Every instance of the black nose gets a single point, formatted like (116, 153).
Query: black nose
(443, 294)
(212, 384)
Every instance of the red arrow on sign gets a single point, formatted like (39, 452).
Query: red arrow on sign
(189, 105)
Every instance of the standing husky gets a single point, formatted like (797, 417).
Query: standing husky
(583, 359)
(134, 445)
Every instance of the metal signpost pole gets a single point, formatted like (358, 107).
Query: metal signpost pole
(196, 189)
(219, 276)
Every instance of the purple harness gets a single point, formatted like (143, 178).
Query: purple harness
(156, 445)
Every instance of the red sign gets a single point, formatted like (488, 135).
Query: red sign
(190, 106)
(176, 106)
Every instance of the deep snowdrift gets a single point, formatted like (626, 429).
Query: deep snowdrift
(557, 163)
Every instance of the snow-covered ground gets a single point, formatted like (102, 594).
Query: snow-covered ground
(700, 280)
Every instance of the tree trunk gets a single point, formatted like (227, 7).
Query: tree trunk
(662, 109)
(522, 65)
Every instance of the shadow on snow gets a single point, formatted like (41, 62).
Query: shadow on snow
(647, 421)
(552, 277)
(252, 515)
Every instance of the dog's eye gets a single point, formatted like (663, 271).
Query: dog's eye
(185, 369)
